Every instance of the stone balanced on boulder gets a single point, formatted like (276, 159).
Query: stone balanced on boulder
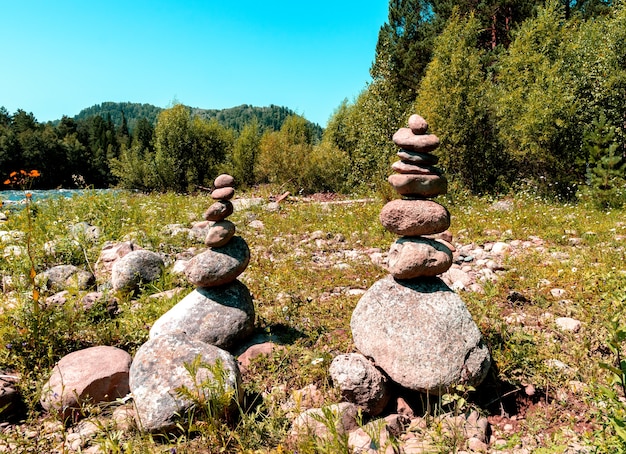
(209, 322)
(410, 323)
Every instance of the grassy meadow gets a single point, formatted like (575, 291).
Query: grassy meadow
(549, 388)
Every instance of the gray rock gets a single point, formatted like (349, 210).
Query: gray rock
(219, 210)
(360, 382)
(160, 371)
(413, 185)
(219, 266)
(134, 268)
(199, 230)
(111, 253)
(225, 193)
(224, 180)
(407, 167)
(417, 124)
(422, 143)
(11, 403)
(412, 257)
(62, 277)
(568, 324)
(84, 230)
(422, 159)
(414, 217)
(316, 421)
(420, 334)
(93, 375)
(221, 316)
(220, 233)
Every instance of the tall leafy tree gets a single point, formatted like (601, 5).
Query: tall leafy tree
(454, 99)
(536, 102)
(174, 148)
(245, 152)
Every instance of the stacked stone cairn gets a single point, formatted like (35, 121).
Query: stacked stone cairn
(410, 323)
(207, 324)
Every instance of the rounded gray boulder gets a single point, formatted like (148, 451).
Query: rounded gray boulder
(136, 267)
(360, 382)
(219, 266)
(420, 334)
(162, 384)
(221, 316)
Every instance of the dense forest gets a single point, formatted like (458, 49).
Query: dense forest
(523, 94)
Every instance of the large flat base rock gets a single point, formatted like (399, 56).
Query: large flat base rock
(421, 334)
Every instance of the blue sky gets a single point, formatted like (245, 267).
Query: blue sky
(60, 57)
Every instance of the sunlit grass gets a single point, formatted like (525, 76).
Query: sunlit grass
(305, 260)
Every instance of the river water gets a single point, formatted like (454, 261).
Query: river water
(12, 197)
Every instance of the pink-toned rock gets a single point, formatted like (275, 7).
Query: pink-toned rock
(407, 140)
(224, 180)
(418, 185)
(219, 211)
(220, 233)
(407, 167)
(417, 124)
(416, 257)
(93, 375)
(422, 159)
(109, 254)
(226, 193)
(414, 217)
(219, 266)
(312, 422)
(256, 350)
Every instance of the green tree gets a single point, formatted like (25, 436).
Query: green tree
(606, 170)
(245, 152)
(454, 99)
(536, 105)
(174, 149)
(211, 143)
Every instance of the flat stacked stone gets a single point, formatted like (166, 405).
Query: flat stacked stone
(415, 216)
(222, 230)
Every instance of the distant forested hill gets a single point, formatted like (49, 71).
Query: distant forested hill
(269, 118)
(132, 111)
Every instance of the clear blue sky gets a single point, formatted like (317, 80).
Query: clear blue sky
(59, 57)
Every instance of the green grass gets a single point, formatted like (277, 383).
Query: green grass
(299, 287)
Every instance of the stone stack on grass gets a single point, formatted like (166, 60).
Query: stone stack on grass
(202, 328)
(410, 323)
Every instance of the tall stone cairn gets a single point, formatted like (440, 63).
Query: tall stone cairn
(410, 323)
(209, 323)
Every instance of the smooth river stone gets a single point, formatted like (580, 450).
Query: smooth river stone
(421, 159)
(420, 334)
(412, 257)
(414, 217)
(220, 233)
(218, 266)
(226, 193)
(424, 143)
(418, 185)
(224, 180)
(407, 167)
(219, 210)
(417, 124)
